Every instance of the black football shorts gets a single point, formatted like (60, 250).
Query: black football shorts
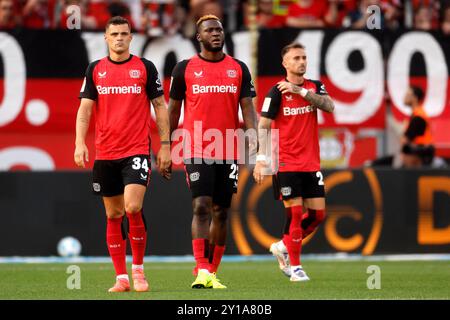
(215, 180)
(289, 185)
(111, 176)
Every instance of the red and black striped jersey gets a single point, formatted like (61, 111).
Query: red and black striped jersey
(296, 121)
(211, 91)
(123, 91)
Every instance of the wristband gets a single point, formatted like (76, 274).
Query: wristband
(165, 142)
(303, 92)
(260, 157)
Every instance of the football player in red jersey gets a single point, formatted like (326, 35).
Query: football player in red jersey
(121, 86)
(212, 85)
(291, 108)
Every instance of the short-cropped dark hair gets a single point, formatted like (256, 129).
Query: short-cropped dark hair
(117, 20)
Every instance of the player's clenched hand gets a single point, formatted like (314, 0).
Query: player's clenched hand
(258, 171)
(286, 87)
(164, 162)
(81, 153)
(167, 174)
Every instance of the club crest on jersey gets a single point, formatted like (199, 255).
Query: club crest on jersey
(232, 73)
(96, 187)
(135, 74)
(198, 74)
(286, 191)
(289, 98)
(102, 75)
(194, 176)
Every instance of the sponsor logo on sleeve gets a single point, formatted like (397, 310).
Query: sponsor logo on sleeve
(266, 104)
(83, 85)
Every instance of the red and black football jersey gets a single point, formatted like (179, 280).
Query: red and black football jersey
(211, 91)
(296, 121)
(123, 91)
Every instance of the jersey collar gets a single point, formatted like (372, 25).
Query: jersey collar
(213, 61)
(297, 84)
(120, 62)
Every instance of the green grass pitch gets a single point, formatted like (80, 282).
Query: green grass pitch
(253, 280)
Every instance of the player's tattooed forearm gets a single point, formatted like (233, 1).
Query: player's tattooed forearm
(162, 117)
(163, 129)
(162, 122)
(159, 102)
(322, 102)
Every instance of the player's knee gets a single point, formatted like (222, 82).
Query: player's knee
(133, 207)
(202, 209)
(220, 214)
(114, 213)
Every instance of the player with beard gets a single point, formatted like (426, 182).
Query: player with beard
(291, 107)
(212, 85)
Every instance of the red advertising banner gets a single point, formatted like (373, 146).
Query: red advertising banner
(364, 73)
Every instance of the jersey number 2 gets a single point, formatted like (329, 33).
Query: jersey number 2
(320, 176)
(234, 171)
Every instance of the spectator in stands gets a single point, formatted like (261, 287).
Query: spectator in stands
(8, 19)
(38, 14)
(87, 22)
(422, 19)
(199, 8)
(312, 14)
(445, 26)
(266, 16)
(202, 8)
(161, 17)
(103, 10)
(343, 8)
(393, 13)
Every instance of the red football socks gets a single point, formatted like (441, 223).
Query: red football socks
(201, 252)
(294, 243)
(287, 223)
(138, 236)
(117, 244)
(311, 221)
(215, 256)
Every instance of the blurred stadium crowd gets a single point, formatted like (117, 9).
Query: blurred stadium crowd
(165, 17)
